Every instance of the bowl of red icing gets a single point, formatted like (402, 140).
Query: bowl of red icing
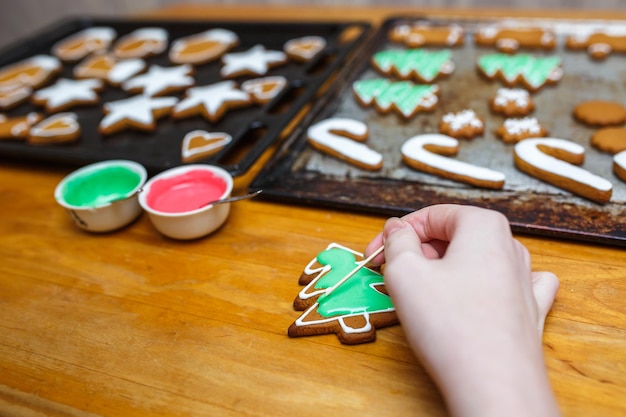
(178, 200)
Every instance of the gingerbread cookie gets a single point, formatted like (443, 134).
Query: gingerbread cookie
(619, 165)
(554, 161)
(421, 34)
(141, 43)
(610, 139)
(161, 80)
(58, 128)
(203, 47)
(13, 95)
(402, 97)
(512, 102)
(200, 144)
(66, 93)
(514, 130)
(137, 112)
(509, 39)
(418, 64)
(32, 72)
(17, 127)
(83, 43)
(108, 68)
(342, 138)
(263, 90)
(304, 49)
(353, 310)
(211, 101)
(531, 72)
(600, 113)
(599, 44)
(255, 61)
(424, 153)
(464, 124)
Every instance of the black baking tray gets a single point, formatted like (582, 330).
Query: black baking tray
(300, 174)
(253, 129)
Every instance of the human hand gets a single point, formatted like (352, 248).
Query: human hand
(472, 309)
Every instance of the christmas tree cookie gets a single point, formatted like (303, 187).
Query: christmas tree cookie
(531, 72)
(414, 64)
(403, 97)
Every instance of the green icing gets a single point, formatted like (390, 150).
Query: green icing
(534, 70)
(367, 90)
(357, 294)
(426, 64)
(100, 186)
(405, 96)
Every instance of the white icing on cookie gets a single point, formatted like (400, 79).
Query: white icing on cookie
(305, 48)
(413, 149)
(13, 94)
(519, 96)
(212, 98)
(521, 126)
(18, 73)
(124, 69)
(323, 134)
(212, 143)
(264, 89)
(66, 91)
(462, 119)
(153, 42)
(60, 124)
(139, 109)
(619, 164)
(91, 40)
(529, 151)
(159, 79)
(256, 60)
(223, 37)
(309, 290)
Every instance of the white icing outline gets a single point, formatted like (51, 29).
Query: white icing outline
(619, 159)
(306, 47)
(138, 108)
(159, 36)
(159, 79)
(254, 87)
(462, 119)
(226, 38)
(256, 60)
(70, 119)
(89, 37)
(47, 64)
(188, 152)
(212, 97)
(518, 96)
(66, 91)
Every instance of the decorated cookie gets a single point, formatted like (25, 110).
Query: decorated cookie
(610, 139)
(32, 72)
(353, 310)
(509, 39)
(555, 161)
(200, 144)
(141, 43)
(83, 43)
(403, 97)
(529, 71)
(211, 101)
(17, 127)
(425, 34)
(203, 47)
(255, 61)
(425, 153)
(417, 64)
(66, 93)
(599, 43)
(512, 102)
(161, 80)
(514, 130)
(108, 68)
(13, 94)
(464, 124)
(304, 49)
(58, 128)
(342, 138)
(600, 113)
(619, 165)
(263, 90)
(137, 112)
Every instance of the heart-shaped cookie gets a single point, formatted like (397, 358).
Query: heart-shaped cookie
(305, 48)
(58, 128)
(199, 144)
(263, 90)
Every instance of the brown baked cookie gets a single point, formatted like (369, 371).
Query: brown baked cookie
(619, 165)
(514, 130)
(510, 39)
(14, 94)
(83, 43)
(17, 127)
(203, 47)
(512, 102)
(600, 113)
(32, 72)
(599, 44)
(464, 124)
(353, 310)
(610, 139)
(425, 34)
(304, 49)
(199, 144)
(58, 128)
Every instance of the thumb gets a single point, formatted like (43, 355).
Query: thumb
(545, 287)
(400, 238)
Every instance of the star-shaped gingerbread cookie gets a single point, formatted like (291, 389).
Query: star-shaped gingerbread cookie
(66, 93)
(139, 112)
(161, 80)
(212, 101)
(256, 61)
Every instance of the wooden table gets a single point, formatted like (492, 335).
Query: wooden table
(133, 324)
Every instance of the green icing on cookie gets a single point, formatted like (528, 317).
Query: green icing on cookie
(535, 71)
(402, 96)
(427, 65)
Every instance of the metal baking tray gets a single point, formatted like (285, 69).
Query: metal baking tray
(300, 174)
(253, 129)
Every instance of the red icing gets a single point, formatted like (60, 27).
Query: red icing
(185, 192)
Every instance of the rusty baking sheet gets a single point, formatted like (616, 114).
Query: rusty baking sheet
(299, 174)
(253, 129)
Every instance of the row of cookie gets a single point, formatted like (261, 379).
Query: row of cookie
(426, 67)
(198, 48)
(552, 160)
(599, 42)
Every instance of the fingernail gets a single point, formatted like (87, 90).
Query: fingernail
(393, 225)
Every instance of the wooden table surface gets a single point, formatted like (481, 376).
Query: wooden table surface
(133, 324)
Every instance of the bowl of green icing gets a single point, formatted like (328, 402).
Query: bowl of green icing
(102, 196)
